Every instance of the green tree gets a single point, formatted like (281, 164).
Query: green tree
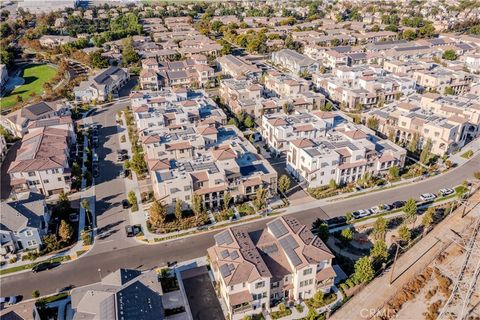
(379, 251)
(50, 242)
(380, 228)
(260, 201)
(216, 25)
(372, 123)
(347, 235)
(178, 209)
(197, 204)
(327, 107)
(322, 232)
(410, 209)
(157, 214)
(363, 270)
(449, 55)
(448, 91)
(413, 144)
(97, 61)
(132, 199)
(35, 294)
(137, 163)
(233, 122)
(227, 198)
(332, 184)
(409, 34)
(427, 218)
(404, 233)
(249, 123)
(65, 231)
(394, 172)
(129, 54)
(284, 183)
(425, 154)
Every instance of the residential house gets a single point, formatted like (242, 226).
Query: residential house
(100, 87)
(257, 270)
(23, 223)
(41, 163)
(295, 62)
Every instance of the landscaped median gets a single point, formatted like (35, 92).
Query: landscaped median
(31, 265)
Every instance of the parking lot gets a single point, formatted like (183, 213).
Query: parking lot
(201, 295)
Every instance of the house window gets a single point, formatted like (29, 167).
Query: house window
(243, 284)
(31, 243)
(59, 178)
(45, 181)
(260, 284)
(307, 271)
(231, 288)
(31, 174)
(28, 233)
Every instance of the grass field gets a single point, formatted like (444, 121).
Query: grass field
(35, 76)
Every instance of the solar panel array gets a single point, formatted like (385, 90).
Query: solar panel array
(234, 255)
(223, 238)
(225, 270)
(270, 249)
(289, 245)
(277, 228)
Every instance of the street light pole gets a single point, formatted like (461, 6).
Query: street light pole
(394, 262)
(100, 274)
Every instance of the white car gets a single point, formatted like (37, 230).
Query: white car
(7, 301)
(446, 191)
(427, 197)
(360, 214)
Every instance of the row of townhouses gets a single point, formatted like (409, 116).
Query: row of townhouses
(449, 122)
(324, 146)
(191, 151)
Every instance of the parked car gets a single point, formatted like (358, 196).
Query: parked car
(45, 266)
(8, 301)
(428, 197)
(132, 231)
(124, 173)
(122, 151)
(125, 204)
(122, 157)
(336, 221)
(360, 214)
(398, 204)
(446, 191)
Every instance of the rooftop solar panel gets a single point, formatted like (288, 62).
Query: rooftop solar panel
(277, 228)
(223, 238)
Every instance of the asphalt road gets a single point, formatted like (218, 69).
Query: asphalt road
(109, 186)
(143, 257)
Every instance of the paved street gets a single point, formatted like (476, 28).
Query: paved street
(110, 188)
(85, 270)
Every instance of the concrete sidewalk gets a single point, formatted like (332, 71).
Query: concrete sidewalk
(365, 304)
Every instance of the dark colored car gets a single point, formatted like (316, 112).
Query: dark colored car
(398, 204)
(336, 221)
(122, 151)
(45, 266)
(125, 204)
(132, 231)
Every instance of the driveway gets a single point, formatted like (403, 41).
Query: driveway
(201, 295)
(296, 194)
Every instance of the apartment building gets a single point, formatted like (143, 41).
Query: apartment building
(448, 122)
(295, 62)
(190, 151)
(191, 72)
(472, 62)
(344, 152)
(238, 67)
(101, 86)
(241, 95)
(438, 78)
(41, 164)
(284, 85)
(363, 85)
(257, 270)
(17, 122)
(279, 129)
(24, 223)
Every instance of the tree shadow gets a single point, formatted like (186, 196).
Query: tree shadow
(29, 79)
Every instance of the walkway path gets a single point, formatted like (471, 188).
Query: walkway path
(378, 292)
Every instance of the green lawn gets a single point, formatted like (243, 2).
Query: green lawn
(35, 76)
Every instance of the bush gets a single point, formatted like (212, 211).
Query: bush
(476, 174)
(86, 238)
(35, 294)
(283, 311)
(467, 155)
(13, 260)
(299, 308)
